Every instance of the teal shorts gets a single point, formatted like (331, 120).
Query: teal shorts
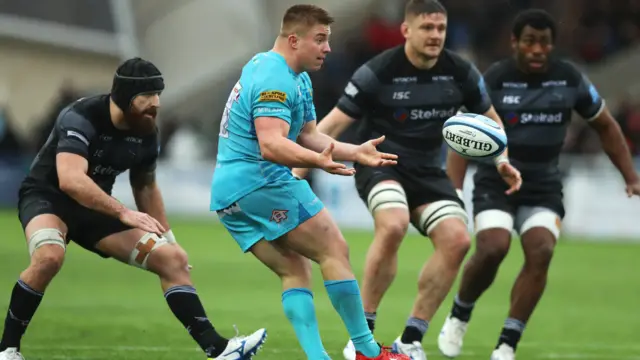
(270, 212)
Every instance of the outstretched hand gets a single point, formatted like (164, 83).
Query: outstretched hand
(326, 163)
(368, 154)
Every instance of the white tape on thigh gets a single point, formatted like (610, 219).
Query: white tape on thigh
(441, 210)
(46, 237)
(494, 219)
(387, 196)
(145, 246)
(543, 218)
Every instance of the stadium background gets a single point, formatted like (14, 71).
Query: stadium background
(54, 51)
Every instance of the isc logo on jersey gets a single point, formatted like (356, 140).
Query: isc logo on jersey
(511, 99)
(402, 95)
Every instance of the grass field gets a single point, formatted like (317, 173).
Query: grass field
(100, 309)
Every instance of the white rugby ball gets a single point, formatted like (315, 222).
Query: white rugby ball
(474, 136)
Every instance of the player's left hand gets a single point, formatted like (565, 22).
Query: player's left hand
(368, 155)
(511, 176)
(633, 189)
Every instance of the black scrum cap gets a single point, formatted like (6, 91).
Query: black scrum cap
(135, 77)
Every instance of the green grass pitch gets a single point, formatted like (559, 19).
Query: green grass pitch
(101, 309)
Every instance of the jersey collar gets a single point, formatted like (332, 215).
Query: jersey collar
(281, 58)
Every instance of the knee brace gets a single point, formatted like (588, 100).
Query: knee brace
(387, 196)
(46, 237)
(145, 246)
(438, 211)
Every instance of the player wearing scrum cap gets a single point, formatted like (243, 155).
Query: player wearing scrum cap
(535, 94)
(66, 197)
(406, 94)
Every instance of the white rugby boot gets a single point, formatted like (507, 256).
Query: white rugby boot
(503, 352)
(349, 351)
(242, 347)
(11, 354)
(451, 337)
(414, 350)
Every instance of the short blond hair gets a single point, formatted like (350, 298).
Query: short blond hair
(300, 18)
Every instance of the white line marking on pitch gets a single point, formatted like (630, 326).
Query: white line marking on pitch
(554, 355)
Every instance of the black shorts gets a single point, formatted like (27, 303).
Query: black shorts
(421, 185)
(86, 227)
(536, 191)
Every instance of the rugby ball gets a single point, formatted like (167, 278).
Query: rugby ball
(474, 136)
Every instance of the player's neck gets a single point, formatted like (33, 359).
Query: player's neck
(417, 60)
(285, 52)
(117, 116)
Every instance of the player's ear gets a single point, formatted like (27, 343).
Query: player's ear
(293, 41)
(514, 42)
(404, 29)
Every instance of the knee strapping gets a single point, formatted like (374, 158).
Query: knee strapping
(387, 196)
(46, 237)
(145, 246)
(539, 217)
(493, 219)
(438, 211)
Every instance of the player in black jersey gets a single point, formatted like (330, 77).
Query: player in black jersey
(406, 94)
(66, 197)
(535, 94)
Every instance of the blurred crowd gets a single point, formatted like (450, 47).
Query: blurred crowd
(589, 32)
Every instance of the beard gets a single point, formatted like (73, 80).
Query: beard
(142, 123)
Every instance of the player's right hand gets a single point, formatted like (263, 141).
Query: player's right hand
(511, 176)
(633, 189)
(326, 163)
(142, 221)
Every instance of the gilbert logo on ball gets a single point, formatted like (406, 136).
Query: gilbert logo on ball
(474, 136)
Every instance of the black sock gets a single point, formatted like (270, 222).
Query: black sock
(461, 310)
(371, 320)
(414, 330)
(186, 306)
(24, 303)
(511, 333)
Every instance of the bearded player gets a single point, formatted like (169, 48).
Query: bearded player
(535, 93)
(406, 94)
(66, 197)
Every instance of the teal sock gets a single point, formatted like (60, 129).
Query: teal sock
(345, 297)
(298, 306)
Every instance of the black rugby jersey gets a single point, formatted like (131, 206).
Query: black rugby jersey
(85, 128)
(409, 105)
(536, 109)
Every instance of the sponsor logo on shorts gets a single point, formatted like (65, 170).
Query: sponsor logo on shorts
(273, 95)
(279, 216)
(229, 210)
